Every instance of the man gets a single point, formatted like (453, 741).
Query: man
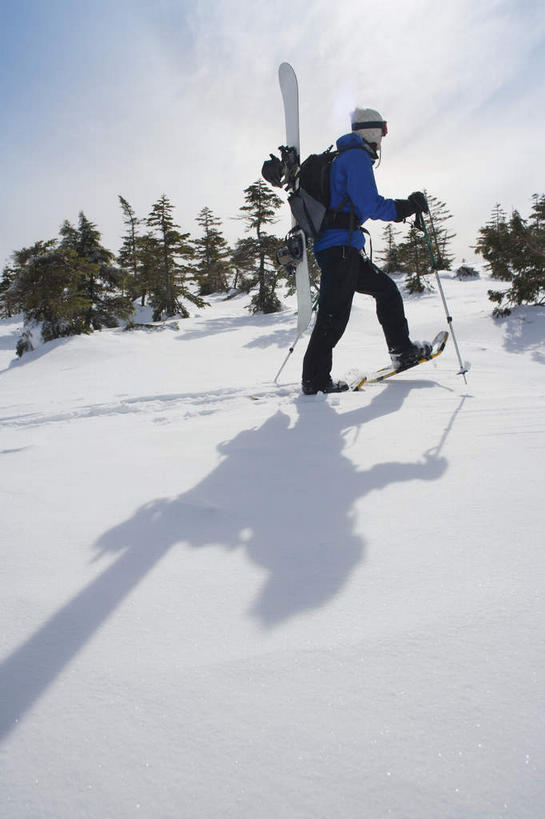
(345, 270)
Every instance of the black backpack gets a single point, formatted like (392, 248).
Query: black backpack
(311, 190)
(309, 201)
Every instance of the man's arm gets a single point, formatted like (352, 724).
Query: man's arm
(362, 189)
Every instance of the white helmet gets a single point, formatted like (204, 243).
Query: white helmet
(369, 125)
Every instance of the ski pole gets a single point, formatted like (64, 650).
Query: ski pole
(290, 351)
(297, 337)
(421, 225)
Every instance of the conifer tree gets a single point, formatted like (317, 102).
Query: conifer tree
(101, 285)
(243, 259)
(466, 271)
(69, 236)
(438, 218)
(261, 204)
(413, 254)
(128, 255)
(524, 257)
(172, 286)
(493, 244)
(48, 288)
(150, 256)
(8, 304)
(389, 258)
(212, 254)
(414, 257)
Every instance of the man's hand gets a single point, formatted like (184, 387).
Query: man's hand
(419, 201)
(416, 203)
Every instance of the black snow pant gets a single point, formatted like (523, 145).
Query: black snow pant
(346, 271)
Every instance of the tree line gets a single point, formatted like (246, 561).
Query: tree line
(72, 284)
(513, 249)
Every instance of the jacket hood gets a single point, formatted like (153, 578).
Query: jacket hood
(351, 140)
(354, 140)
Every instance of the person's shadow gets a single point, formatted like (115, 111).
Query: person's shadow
(283, 492)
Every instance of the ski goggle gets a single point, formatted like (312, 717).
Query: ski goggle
(360, 126)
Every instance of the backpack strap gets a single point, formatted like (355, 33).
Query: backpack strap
(336, 219)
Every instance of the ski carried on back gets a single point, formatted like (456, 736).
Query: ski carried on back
(357, 382)
(297, 241)
(284, 173)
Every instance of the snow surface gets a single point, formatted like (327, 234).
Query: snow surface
(215, 606)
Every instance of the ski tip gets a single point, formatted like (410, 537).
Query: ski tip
(286, 71)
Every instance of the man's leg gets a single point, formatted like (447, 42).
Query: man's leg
(339, 266)
(390, 310)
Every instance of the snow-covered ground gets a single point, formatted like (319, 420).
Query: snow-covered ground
(294, 606)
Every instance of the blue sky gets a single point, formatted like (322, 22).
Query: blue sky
(146, 97)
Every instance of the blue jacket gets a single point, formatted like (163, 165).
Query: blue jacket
(352, 175)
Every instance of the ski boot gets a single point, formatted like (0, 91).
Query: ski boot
(331, 386)
(411, 355)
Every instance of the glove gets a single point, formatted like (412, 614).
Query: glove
(273, 171)
(419, 201)
(416, 203)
